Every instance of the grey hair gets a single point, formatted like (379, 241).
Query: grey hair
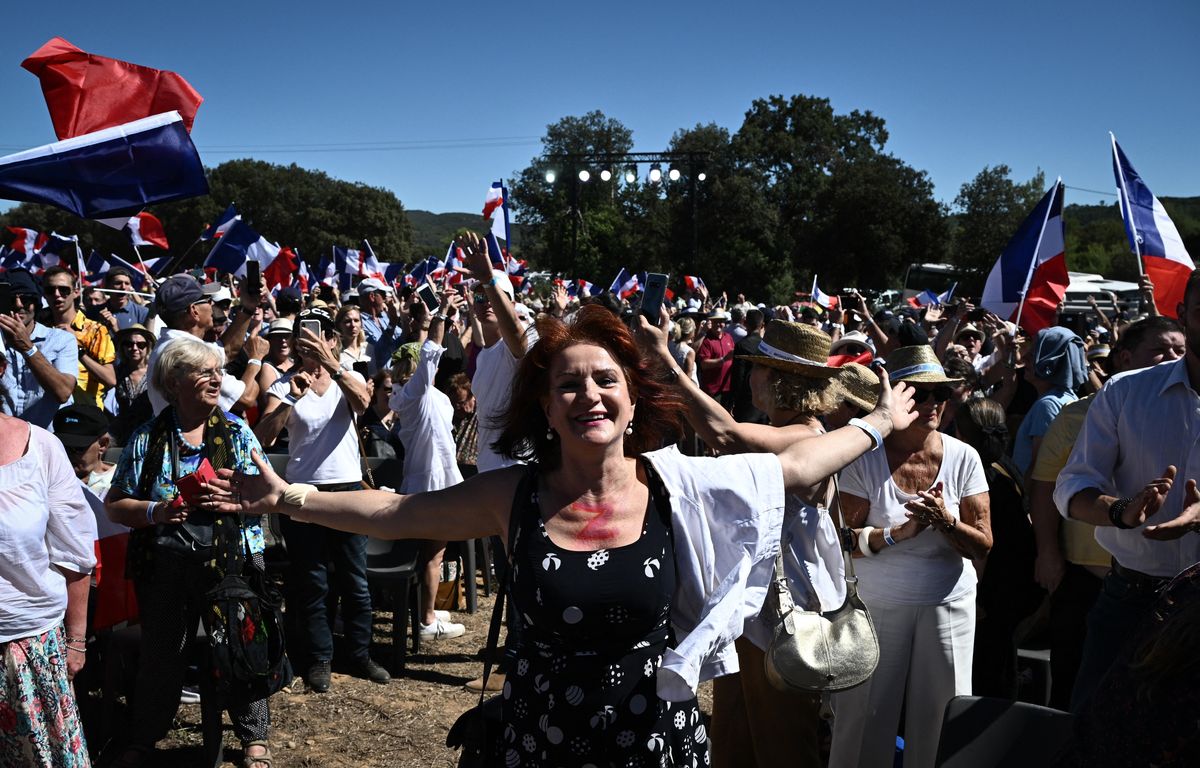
(181, 357)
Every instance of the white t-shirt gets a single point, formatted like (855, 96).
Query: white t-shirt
(45, 521)
(322, 444)
(426, 422)
(232, 387)
(495, 369)
(924, 570)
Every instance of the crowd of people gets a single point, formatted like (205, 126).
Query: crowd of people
(636, 474)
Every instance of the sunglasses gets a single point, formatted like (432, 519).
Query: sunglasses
(939, 394)
(481, 298)
(136, 344)
(59, 290)
(28, 299)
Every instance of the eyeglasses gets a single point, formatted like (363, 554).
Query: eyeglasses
(59, 290)
(136, 344)
(939, 394)
(208, 373)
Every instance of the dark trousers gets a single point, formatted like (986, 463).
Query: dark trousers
(1120, 607)
(311, 551)
(1069, 608)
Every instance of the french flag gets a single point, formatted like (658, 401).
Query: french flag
(928, 298)
(98, 266)
(240, 244)
(60, 250)
(580, 289)
(113, 172)
(302, 274)
(1153, 237)
(693, 283)
(146, 229)
(820, 298)
(495, 208)
(625, 284)
(327, 272)
(369, 265)
(1030, 278)
(222, 224)
(26, 241)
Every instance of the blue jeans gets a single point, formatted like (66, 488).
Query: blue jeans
(311, 549)
(1120, 607)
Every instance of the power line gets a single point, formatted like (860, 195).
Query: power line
(1093, 191)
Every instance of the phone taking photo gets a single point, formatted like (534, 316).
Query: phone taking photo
(312, 326)
(652, 297)
(428, 296)
(253, 276)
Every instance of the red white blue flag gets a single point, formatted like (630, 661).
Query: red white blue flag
(222, 224)
(1153, 237)
(1030, 278)
(26, 241)
(495, 209)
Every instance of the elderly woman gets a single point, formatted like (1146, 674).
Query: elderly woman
(319, 402)
(48, 531)
(754, 723)
(617, 550)
(168, 549)
(921, 510)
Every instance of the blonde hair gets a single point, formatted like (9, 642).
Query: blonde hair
(807, 397)
(360, 339)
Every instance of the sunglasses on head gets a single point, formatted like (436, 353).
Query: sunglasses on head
(59, 290)
(940, 394)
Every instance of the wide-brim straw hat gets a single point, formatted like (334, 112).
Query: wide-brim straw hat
(917, 365)
(139, 330)
(861, 385)
(794, 348)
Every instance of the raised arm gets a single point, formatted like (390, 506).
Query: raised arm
(480, 263)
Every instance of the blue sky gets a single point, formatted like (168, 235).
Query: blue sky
(961, 85)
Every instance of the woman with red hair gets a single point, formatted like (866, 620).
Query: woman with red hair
(634, 569)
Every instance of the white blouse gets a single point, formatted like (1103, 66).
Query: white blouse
(426, 418)
(45, 524)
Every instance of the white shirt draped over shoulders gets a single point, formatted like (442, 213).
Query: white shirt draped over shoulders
(426, 418)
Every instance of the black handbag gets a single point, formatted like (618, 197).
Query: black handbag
(478, 731)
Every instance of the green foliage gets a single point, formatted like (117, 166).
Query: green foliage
(287, 204)
(990, 208)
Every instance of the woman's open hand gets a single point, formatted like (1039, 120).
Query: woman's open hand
(895, 403)
(232, 492)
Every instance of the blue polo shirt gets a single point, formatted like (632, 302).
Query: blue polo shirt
(129, 314)
(26, 398)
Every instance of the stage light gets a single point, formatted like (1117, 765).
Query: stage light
(550, 177)
(701, 176)
(584, 175)
(655, 173)
(673, 174)
(605, 175)
(630, 175)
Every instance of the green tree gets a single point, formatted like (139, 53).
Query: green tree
(989, 210)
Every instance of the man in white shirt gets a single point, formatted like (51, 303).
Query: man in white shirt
(1140, 434)
(188, 311)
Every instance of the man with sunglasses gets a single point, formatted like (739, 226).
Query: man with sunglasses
(42, 361)
(96, 351)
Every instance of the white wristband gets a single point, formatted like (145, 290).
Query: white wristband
(150, 512)
(864, 542)
(254, 361)
(887, 537)
(876, 438)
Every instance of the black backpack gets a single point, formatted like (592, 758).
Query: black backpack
(243, 619)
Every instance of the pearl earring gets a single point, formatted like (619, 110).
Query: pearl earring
(629, 429)
(549, 433)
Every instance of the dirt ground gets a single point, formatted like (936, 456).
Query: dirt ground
(359, 723)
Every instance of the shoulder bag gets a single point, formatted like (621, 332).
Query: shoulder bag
(820, 652)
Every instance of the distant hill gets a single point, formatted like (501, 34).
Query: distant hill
(431, 232)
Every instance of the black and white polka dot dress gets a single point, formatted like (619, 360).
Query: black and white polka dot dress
(582, 692)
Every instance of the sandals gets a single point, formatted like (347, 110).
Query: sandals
(265, 760)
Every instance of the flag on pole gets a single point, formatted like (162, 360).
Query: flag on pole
(303, 277)
(495, 208)
(1030, 278)
(222, 224)
(146, 229)
(241, 243)
(820, 298)
(113, 172)
(59, 251)
(26, 241)
(1153, 237)
(625, 284)
(87, 93)
(693, 283)
(928, 298)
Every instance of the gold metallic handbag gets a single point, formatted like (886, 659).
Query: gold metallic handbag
(819, 652)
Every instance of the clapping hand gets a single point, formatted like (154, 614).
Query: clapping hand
(1187, 522)
(929, 509)
(1149, 500)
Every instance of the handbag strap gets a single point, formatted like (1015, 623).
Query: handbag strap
(362, 446)
(514, 525)
(781, 589)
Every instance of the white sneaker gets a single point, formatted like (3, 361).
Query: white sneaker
(441, 615)
(189, 695)
(440, 630)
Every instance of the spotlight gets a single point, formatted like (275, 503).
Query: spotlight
(673, 174)
(701, 176)
(655, 173)
(630, 175)
(584, 175)
(605, 175)
(550, 177)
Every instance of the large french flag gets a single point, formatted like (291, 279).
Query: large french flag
(86, 93)
(495, 208)
(1033, 266)
(1152, 235)
(108, 173)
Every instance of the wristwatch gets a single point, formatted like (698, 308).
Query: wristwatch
(1116, 510)
(336, 375)
(249, 310)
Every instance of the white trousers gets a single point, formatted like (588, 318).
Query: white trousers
(925, 650)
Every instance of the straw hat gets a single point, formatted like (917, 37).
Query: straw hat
(283, 326)
(969, 330)
(794, 348)
(917, 365)
(139, 329)
(861, 385)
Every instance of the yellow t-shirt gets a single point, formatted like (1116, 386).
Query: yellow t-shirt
(1078, 538)
(95, 338)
